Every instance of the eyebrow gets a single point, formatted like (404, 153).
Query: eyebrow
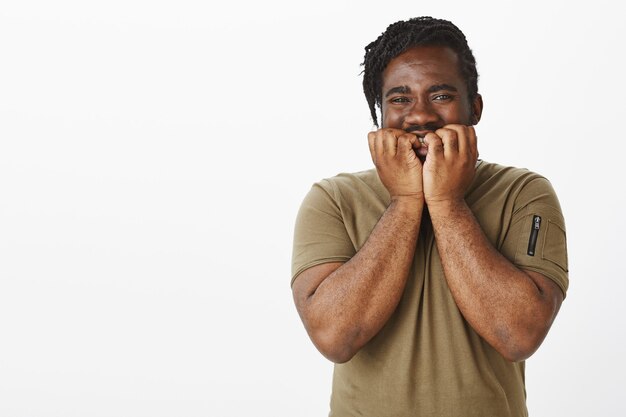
(441, 87)
(405, 89)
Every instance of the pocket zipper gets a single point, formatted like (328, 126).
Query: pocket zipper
(534, 232)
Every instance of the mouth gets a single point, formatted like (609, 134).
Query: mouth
(422, 130)
(419, 133)
(420, 148)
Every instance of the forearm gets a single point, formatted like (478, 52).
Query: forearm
(501, 302)
(353, 303)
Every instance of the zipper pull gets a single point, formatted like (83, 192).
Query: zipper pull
(534, 233)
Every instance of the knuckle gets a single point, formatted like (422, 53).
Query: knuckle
(390, 134)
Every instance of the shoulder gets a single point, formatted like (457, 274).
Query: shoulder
(350, 186)
(509, 182)
(489, 171)
(351, 179)
(503, 195)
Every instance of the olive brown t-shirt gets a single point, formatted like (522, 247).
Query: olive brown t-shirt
(427, 360)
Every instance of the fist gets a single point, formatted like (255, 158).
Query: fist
(450, 163)
(397, 164)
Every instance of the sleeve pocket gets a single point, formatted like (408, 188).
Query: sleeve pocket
(550, 256)
(553, 243)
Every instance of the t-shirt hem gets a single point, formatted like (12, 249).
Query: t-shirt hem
(557, 280)
(318, 262)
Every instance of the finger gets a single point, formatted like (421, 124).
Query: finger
(371, 141)
(405, 145)
(460, 131)
(450, 140)
(467, 142)
(472, 141)
(434, 145)
(378, 146)
(390, 143)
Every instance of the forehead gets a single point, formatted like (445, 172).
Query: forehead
(423, 65)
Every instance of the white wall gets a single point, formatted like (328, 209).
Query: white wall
(153, 156)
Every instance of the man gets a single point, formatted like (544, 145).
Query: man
(431, 278)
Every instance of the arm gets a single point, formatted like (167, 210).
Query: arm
(343, 306)
(510, 308)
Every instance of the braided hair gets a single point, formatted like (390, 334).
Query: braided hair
(402, 35)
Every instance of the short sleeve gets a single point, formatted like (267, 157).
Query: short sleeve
(536, 239)
(320, 235)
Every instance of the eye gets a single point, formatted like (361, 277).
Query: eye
(442, 97)
(400, 99)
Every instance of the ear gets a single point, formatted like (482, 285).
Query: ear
(477, 109)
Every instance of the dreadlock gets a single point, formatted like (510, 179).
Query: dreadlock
(403, 35)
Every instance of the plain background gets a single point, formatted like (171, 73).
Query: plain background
(153, 155)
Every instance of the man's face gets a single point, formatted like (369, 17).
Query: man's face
(423, 91)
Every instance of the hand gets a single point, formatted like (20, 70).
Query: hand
(397, 164)
(450, 164)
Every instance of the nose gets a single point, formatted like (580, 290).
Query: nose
(421, 113)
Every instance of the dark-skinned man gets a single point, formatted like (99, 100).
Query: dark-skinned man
(431, 278)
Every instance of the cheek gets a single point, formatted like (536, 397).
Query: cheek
(467, 112)
(391, 118)
(457, 114)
